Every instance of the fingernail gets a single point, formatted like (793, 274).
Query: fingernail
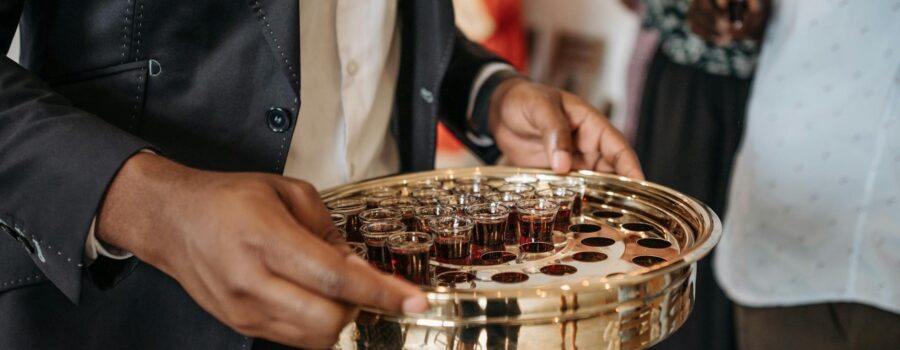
(560, 161)
(416, 304)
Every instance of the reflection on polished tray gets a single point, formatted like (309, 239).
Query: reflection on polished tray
(616, 271)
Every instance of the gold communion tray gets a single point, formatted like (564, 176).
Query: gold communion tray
(619, 276)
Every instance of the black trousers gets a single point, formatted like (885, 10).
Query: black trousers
(690, 126)
(830, 326)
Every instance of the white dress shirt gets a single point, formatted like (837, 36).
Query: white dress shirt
(349, 60)
(814, 212)
(349, 64)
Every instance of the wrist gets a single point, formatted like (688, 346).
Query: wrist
(497, 99)
(135, 211)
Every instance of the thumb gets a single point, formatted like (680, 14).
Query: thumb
(556, 133)
(305, 205)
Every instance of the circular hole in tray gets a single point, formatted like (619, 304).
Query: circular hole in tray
(589, 256)
(637, 226)
(654, 243)
(536, 247)
(606, 214)
(452, 278)
(584, 228)
(509, 277)
(647, 260)
(559, 270)
(598, 241)
(496, 258)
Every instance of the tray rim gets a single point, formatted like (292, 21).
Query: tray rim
(686, 260)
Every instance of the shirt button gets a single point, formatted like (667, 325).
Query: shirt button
(352, 68)
(278, 119)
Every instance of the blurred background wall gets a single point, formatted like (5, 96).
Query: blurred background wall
(588, 22)
(583, 46)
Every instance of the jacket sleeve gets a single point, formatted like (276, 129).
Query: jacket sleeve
(466, 64)
(56, 162)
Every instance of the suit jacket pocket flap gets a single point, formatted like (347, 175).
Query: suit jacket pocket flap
(114, 93)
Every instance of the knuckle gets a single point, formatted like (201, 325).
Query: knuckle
(578, 100)
(326, 330)
(332, 282)
(304, 190)
(305, 187)
(331, 336)
(242, 287)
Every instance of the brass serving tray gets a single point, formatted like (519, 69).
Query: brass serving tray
(617, 303)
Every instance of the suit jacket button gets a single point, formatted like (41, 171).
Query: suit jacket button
(278, 119)
(426, 95)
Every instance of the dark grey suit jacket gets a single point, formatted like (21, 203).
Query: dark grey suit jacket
(213, 84)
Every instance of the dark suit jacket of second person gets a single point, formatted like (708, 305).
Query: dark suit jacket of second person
(198, 81)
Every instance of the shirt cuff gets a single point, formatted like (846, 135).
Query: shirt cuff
(93, 248)
(486, 72)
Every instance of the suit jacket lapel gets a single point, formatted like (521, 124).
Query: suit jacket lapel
(279, 22)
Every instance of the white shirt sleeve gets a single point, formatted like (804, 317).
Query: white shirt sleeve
(93, 248)
(485, 73)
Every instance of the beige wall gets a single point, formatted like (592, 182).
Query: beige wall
(606, 19)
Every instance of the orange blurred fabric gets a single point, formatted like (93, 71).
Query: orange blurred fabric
(508, 41)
